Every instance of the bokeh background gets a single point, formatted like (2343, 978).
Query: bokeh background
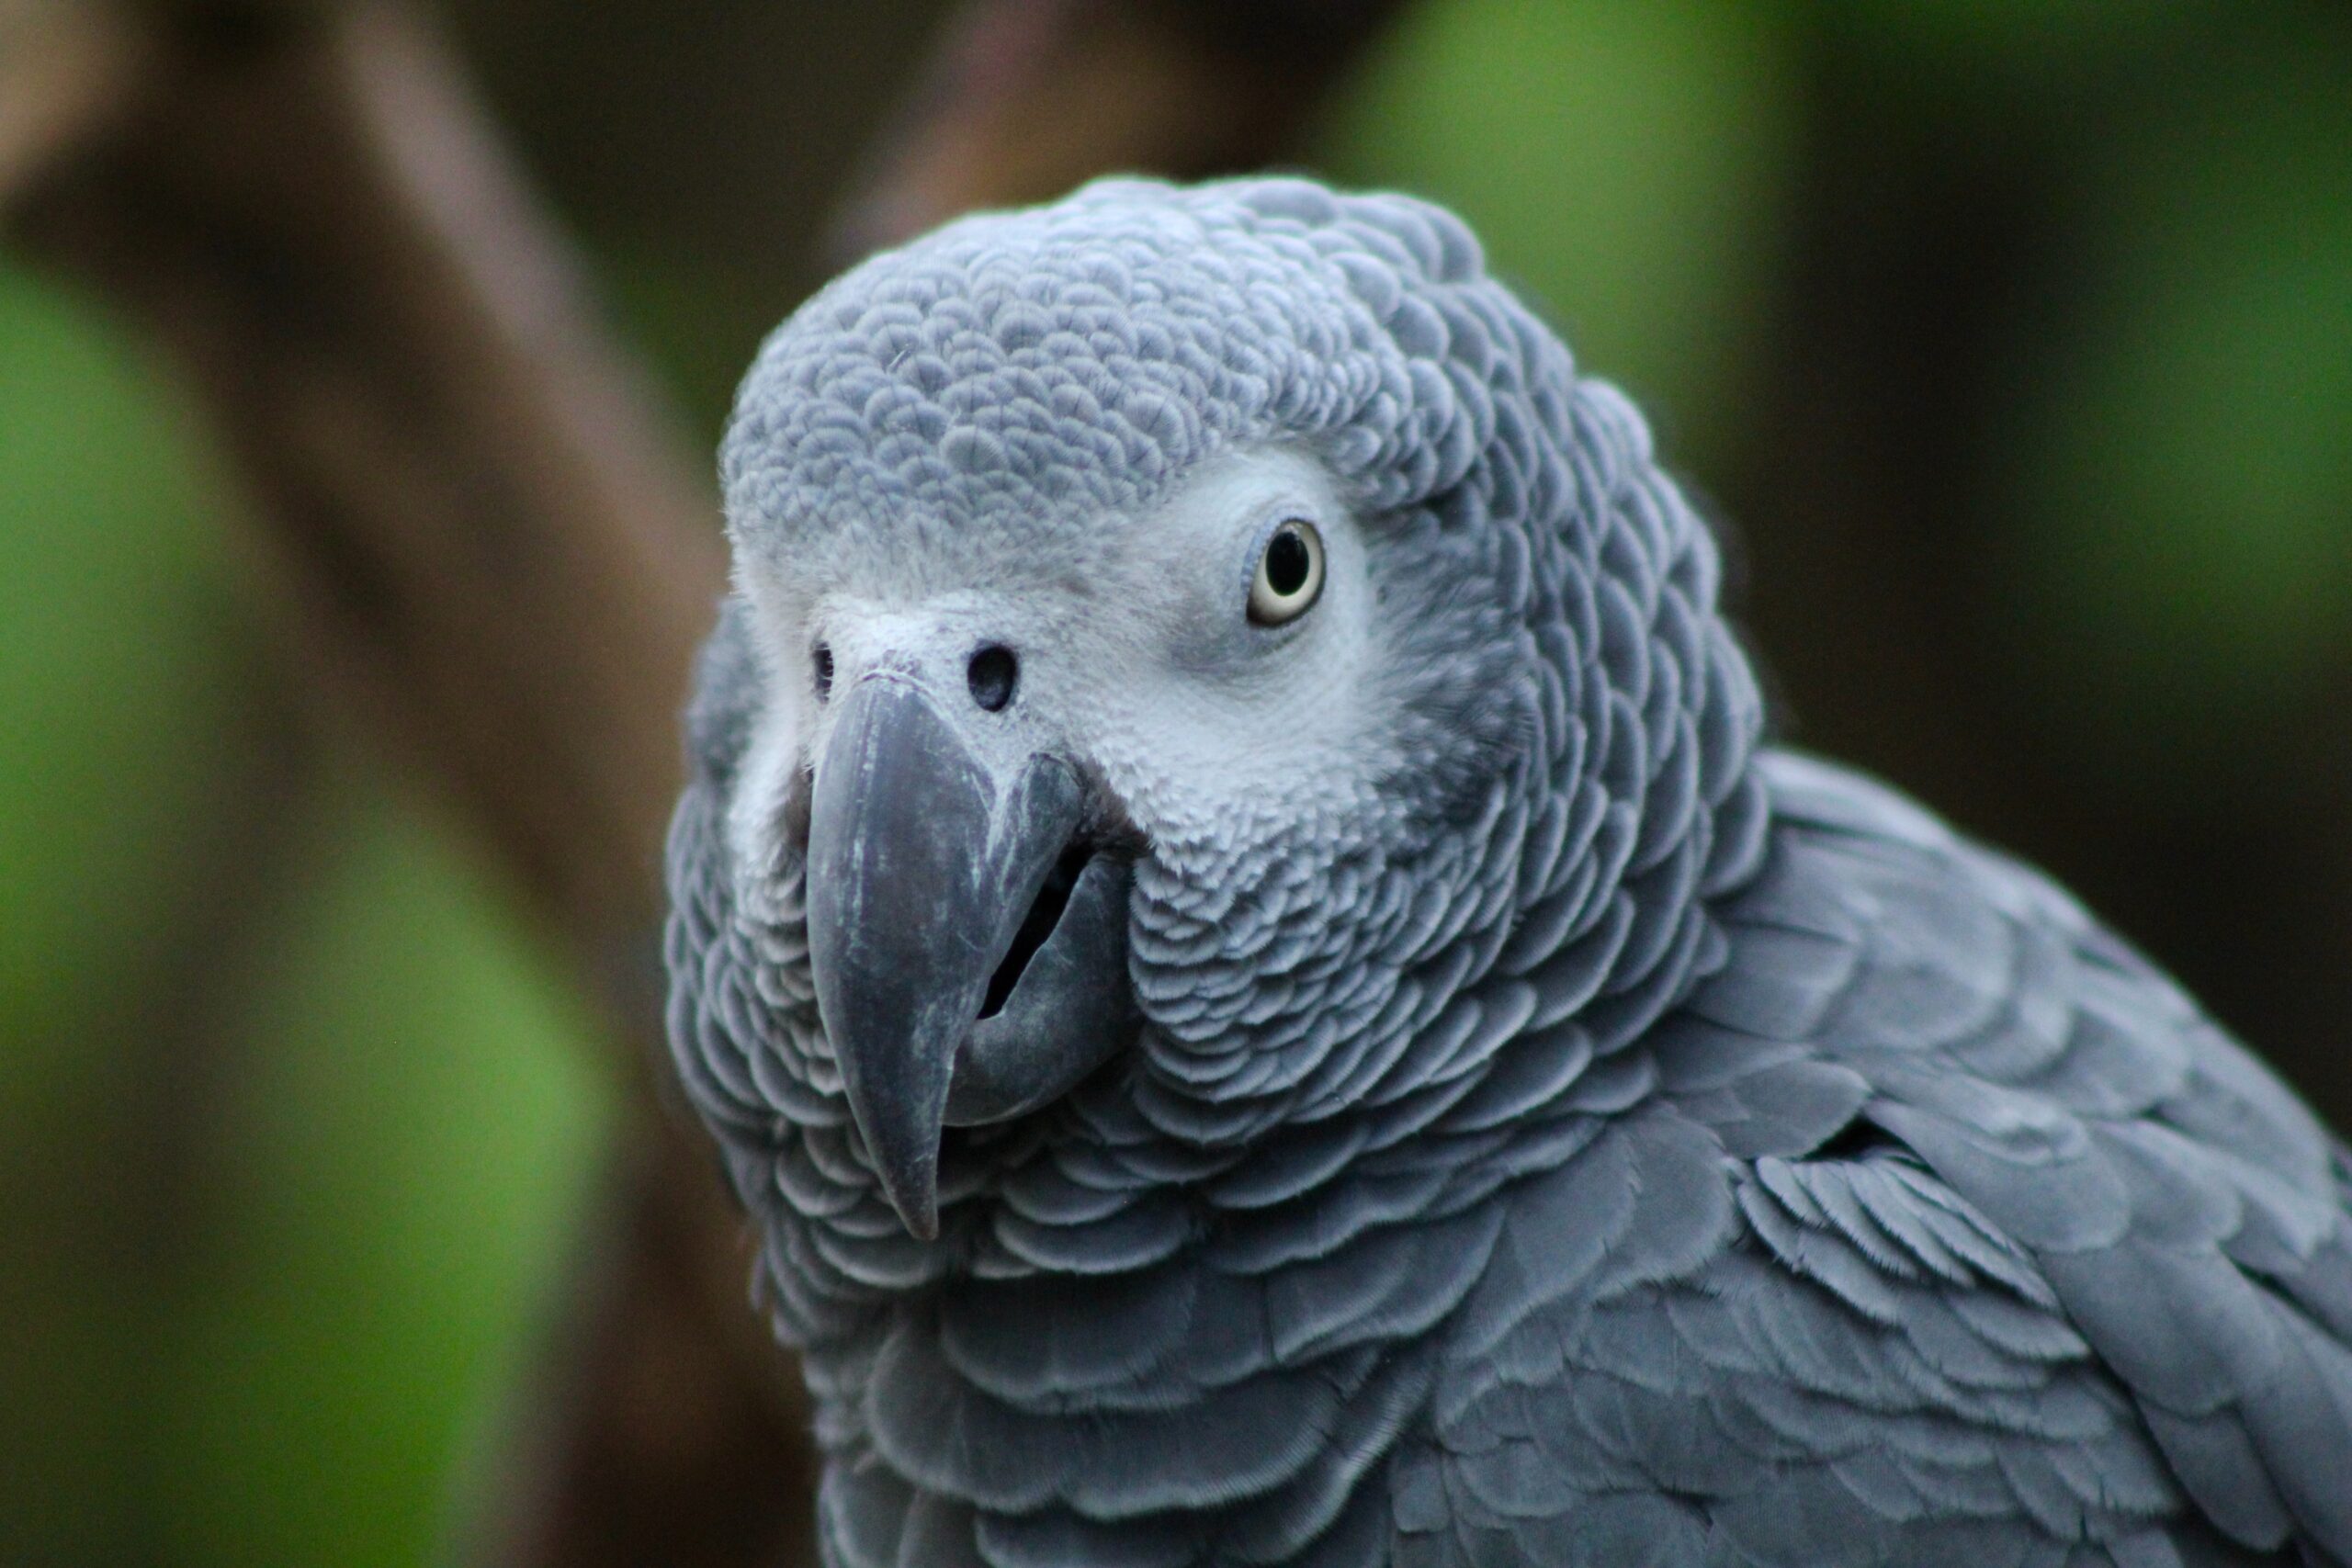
(2011, 339)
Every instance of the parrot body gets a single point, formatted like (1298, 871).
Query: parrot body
(1268, 1004)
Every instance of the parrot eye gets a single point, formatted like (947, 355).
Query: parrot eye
(1289, 574)
(822, 656)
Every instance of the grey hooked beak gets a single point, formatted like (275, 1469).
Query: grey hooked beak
(935, 889)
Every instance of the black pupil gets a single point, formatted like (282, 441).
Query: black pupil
(824, 670)
(1288, 562)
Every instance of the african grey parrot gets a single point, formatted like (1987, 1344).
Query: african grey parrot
(1268, 1004)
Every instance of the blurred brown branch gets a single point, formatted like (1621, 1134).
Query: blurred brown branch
(477, 525)
(488, 546)
(1024, 99)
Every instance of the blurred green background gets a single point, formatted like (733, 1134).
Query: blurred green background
(2011, 338)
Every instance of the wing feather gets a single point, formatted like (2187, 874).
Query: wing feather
(2002, 1253)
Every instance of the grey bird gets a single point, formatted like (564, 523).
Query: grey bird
(1269, 1002)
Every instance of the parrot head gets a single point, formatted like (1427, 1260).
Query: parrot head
(1159, 635)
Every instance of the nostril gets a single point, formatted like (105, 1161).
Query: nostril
(822, 656)
(993, 674)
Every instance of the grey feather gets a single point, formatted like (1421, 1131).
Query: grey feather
(1560, 1129)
